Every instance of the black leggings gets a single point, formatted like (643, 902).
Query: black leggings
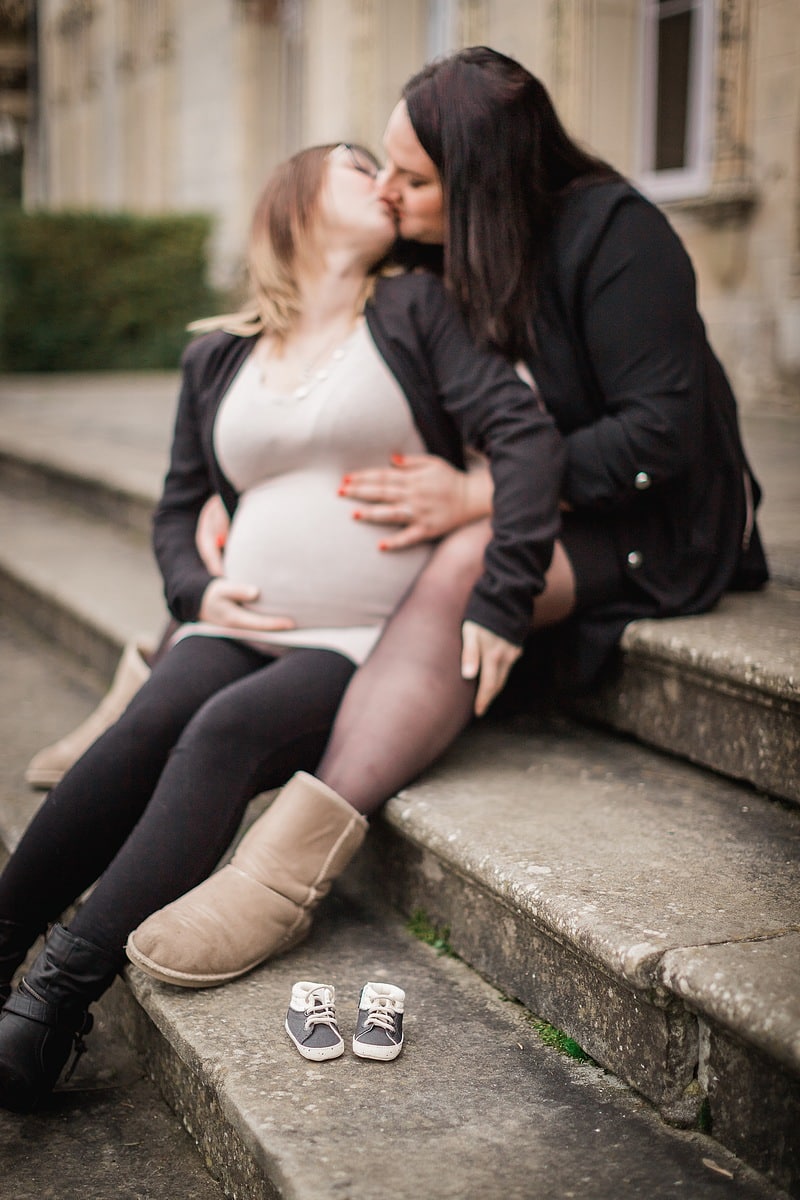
(152, 806)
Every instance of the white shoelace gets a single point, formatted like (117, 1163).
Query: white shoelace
(319, 1008)
(381, 1013)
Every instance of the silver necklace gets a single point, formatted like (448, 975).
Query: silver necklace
(311, 372)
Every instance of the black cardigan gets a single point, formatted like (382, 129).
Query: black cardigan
(457, 395)
(648, 417)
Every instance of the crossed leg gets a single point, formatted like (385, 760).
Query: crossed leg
(408, 702)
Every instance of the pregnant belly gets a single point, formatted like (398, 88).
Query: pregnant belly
(298, 543)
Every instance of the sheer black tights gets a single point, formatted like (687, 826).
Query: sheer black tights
(408, 702)
(153, 804)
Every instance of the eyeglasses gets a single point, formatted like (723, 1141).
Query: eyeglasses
(361, 161)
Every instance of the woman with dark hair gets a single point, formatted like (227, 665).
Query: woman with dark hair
(556, 260)
(333, 364)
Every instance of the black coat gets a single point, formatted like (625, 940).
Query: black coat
(457, 395)
(648, 416)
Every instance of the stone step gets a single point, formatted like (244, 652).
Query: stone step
(479, 1104)
(45, 481)
(648, 908)
(82, 582)
(721, 689)
(476, 1105)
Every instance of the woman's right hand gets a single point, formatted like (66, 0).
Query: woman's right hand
(420, 492)
(224, 603)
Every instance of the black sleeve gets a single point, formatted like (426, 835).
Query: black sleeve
(644, 343)
(499, 414)
(187, 486)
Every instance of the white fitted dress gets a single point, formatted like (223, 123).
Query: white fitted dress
(292, 535)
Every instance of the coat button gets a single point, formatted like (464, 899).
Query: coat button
(642, 481)
(635, 559)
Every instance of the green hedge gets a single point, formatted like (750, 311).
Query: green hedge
(85, 291)
(11, 177)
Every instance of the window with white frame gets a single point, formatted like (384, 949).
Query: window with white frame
(677, 93)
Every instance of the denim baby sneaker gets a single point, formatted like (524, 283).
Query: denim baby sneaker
(311, 1021)
(379, 1030)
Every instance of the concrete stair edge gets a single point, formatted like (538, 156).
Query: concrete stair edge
(206, 1087)
(669, 1041)
(58, 622)
(686, 685)
(46, 479)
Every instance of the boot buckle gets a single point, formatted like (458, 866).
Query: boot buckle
(79, 1045)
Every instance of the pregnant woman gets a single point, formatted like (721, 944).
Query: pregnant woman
(333, 365)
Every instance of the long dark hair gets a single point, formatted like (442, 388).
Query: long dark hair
(504, 159)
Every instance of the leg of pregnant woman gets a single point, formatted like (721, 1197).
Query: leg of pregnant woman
(221, 723)
(248, 738)
(261, 903)
(85, 820)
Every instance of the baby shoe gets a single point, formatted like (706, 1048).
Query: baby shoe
(311, 1021)
(379, 1029)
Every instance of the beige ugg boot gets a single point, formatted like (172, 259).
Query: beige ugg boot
(261, 903)
(47, 767)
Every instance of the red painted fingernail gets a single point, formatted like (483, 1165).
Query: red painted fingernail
(383, 545)
(397, 459)
(346, 479)
(221, 540)
(341, 492)
(357, 515)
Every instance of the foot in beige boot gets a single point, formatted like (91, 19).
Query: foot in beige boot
(47, 767)
(261, 903)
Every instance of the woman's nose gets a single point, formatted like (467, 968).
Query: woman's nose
(387, 189)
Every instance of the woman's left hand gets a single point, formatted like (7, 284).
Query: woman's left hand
(421, 493)
(488, 658)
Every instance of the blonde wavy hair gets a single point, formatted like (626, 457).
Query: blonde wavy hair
(281, 236)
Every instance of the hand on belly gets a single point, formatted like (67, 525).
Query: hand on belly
(292, 541)
(225, 603)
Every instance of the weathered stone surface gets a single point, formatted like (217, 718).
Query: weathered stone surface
(747, 999)
(721, 689)
(475, 1106)
(642, 1035)
(113, 427)
(569, 870)
(754, 1109)
(615, 850)
(43, 697)
(750, 988)
(195, 1098)
(77, 580)
(49, 482)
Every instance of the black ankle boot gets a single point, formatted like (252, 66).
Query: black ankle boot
(15, 942)
(47, 1016)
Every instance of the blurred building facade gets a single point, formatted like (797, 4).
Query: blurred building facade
(150, 105)
(16, 56)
